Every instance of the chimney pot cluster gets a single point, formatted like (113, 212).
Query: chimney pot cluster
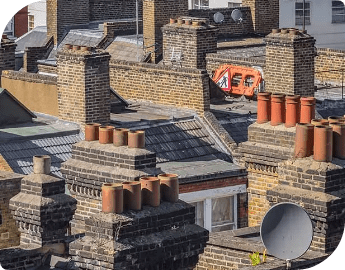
(188, 21)
(77, 48)
(150, 190)
(290, 31)
(42, 164)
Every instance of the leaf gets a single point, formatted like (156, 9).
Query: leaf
(264, 256)
(255, 258)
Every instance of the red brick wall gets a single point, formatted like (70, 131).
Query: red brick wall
(211, 184)
(21, 22)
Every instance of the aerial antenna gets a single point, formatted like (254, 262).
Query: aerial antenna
(218, 17)
(286, 231)
(237, 16)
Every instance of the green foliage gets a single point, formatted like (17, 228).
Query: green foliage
(255, 257)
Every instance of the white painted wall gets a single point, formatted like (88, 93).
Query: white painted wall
(326, 33)
(38, 9)
(217, 3)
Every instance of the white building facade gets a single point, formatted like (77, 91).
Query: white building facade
(204, 4)
(324, 20)
(37, 14)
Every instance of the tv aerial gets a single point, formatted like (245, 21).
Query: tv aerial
(218, 17)
(286, 231)
(237, 16)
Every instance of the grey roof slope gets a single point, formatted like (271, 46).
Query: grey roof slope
(46, 135)
(34, 38)
(19, 154)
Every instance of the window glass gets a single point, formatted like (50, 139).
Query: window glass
(199, 213)
(299, 10)
(338, 12)
(223, 214)
(200, 4)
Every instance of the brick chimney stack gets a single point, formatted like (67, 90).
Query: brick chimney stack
(157, 13)
(63, 13)
(265, 14)
(290, 63)
(7, 54)
(83, 85)
(187, 41)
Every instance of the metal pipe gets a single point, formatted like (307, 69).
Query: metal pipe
(137, 23)
(303, 15)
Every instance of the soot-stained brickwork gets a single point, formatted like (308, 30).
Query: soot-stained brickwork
(266, 146)
(32, 54)
(290, 63)
(157, 13)
(93, 164)
(83, 86)
(42, 210)
(265, 14)
(228, 28)
(163, 237)
(63, 13)
(9, 186)
(113, 9)
(187, 45)
(7, 55)
(319, 188)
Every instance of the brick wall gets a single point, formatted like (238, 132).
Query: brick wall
(7, 55)
(32, 54)
(121, 27)
(265, 14)
(9, 186)
(83, 86)
(290, 64)
(63, 13)
(40, 93)
(331, 61)
(157, 13)
(228, 28)
(161, 85)
(163, 238)
(47, 68)
(266, 146)
(113, 9)
(186, 45)
(19, 259)
(21, 22)
(93, 164)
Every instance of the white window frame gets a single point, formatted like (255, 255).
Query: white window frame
(197, 4)
(335, 8)
(306, 22)
(208, 195)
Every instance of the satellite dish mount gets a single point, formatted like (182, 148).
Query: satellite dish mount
(237, 16)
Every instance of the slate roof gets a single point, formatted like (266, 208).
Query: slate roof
(45, 136)
(126, 48)
(33, 38)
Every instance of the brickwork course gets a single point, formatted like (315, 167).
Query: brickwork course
(265, 14)
(9, 186)
(290, 64)
(187, 45)
(7, 55)
(157, 13)
(83, 86)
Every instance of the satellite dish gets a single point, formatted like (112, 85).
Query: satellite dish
(236, 15)
(286, 231)
(218, 17)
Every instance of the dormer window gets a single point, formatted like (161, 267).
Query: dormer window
(338, 12)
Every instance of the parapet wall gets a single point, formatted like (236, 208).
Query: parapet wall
(229, 27)
(330, 65)
(180, 87)
(40, 93)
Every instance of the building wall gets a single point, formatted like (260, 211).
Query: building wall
(9, 186)
(215, 3)
(229, 27)
(38, 10)
(7, 55)
(326, 33)
(40, 93)
(21, 22)
(330, 65)
(161, 85)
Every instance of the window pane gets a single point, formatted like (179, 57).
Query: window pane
(222, 210)
(299, 5)
(199, 213)
(337, 4)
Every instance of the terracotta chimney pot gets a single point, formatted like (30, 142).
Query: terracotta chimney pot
(307, 109)
(120, 137)
(277, 109)
(108, 198)
(136, 139)
(42, 164)
(132, 195)
(106, 134)
(338, 139)
(319, 122)
(92, 132)
(169, 187)
(150, 190)
(304, 140)
(323, 143)
(292, 110)
(264, 106)
(333, 119)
